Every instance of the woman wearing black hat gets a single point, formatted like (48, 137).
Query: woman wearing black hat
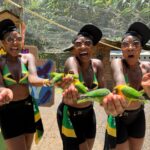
(82, 115)
(130, 125)
(17, 71)
(79, 132)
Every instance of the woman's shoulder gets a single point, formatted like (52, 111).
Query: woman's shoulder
(71, 60)
(97, 64)
(71, 65)
(117, 62)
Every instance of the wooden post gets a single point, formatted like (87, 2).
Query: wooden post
(17, 11)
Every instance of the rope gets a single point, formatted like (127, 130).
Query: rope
(53, 22)
(40, 16)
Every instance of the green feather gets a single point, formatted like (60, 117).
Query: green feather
(56, 77)
(80, 86)
(137, 100)
(95, 95)
(98, 93)
(131, 92)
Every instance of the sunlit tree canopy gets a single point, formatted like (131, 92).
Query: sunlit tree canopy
(112, 16)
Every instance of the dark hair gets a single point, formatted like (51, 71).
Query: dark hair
(91, 31)
(6, 26)
(139, 30)
(132, 33)
(82, 34)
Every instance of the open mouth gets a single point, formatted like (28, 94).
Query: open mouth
(83, 54)
(130, 56)
(14, 48)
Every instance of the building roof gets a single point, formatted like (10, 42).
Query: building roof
(6, 14)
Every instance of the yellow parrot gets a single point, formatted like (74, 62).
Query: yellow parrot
(129, 93)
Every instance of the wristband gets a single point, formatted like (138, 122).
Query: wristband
(46, 82)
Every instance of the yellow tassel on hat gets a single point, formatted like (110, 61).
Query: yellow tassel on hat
(2, 51)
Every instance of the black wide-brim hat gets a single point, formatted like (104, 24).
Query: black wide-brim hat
(93, 31)
(6, 26)
(141, 29)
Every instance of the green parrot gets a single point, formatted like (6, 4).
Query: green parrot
(80, 86)
(56, 77)
(94, 95)
(129, 93)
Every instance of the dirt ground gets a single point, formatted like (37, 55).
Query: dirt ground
(51, 139)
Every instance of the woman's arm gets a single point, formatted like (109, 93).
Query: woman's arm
(33, 77)
(99, 74)
(70, 94)
(146, 79)
(71, 66)
(117, 72)
(115, 104)
(146, 83)
(37, 81)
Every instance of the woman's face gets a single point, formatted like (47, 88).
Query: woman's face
(12, 42)
(131, 49)
(83, 48)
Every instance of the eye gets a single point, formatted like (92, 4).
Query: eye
(77, 44)
(125, 44)
(9, 39)
(88, 43)
(136, 43)
(19, 39)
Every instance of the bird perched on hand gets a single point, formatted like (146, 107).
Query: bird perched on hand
(57, 77)
(129, 93)
(94, 95)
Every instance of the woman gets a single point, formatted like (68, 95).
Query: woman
(90, 72)
(17, 71)
(130, 125)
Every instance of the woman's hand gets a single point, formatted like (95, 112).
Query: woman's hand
(70, 95)
(6, 95)
(146, 83)
(65, 83)
(114, 104)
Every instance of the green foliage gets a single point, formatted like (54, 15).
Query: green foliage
(34, 4)
(112, 16)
